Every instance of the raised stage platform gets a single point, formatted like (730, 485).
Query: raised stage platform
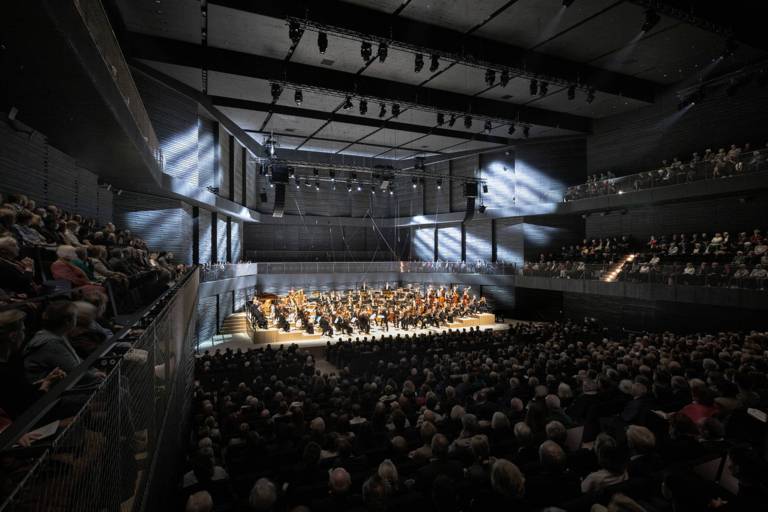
(274, 335)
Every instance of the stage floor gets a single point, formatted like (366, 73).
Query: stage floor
(243, 340)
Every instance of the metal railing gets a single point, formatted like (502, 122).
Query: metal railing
(679, 173)
(217, 272)
(136, 415)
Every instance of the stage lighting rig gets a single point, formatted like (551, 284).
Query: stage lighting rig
(395, 110)
(276, 90)
(567, 3)
(490, 77)
(298, 97)
(504, 78)
(383, 51)
(418, 63)
(347, 103)
(366, 51)
(440, 119)
(414, 182)
(488, 127)
(526, 131)
(571, 92)
(543, 88)
(439, 184)
(591, 95)
(435, 63)
(534, 87)
(382, 110)
(295, 32)
(511, 129)
(322, 42)
(452, 120)
(467, 122)
(363, 106)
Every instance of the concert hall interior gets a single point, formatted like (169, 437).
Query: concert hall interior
(383, 255)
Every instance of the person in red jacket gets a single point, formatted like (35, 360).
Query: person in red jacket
(65, 270)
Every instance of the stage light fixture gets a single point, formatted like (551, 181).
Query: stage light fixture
(322, 42)
(414, 182)
(395, 110)
(315, 172)
(298, 97)
(467, 122)
(418, 63)
(534, 87)
(276, 90)
(452, 120)
(571, 92)
(363, 106)
(485, 188)
(591, 95)
(504, 78)
(567, 3)
(383, 51)
(366, 50)
(439, 184)
(382, 110)
(526, 131)
(317, 185)
(332, 175)
(488, 127)
(359, 188)
(543, 88)
(291, 172)
(481, 208)
(511, 129)
(490, 77)
(391, 191)
(298, 184)
(434, 63)
(652, 18)
(349, 187)
(295, 32)
(373, 190)
(347, 103)
(440, 119)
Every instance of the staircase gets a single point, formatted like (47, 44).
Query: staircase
(613, 272)
(235, 323)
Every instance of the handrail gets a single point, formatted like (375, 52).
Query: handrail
(27, 420)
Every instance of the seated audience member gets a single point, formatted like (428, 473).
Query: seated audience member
(702, 404)
(613, 466)
(552, 482)
(7, 222)
(29, 236)
(16, 275)
(50, 349)
(263, 496)
(200, 501)
(507, 489)
(83, 337)
(340, 495)
(97, 255)
(643, 459)
(65, 269)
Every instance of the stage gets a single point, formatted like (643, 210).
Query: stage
(272, 336)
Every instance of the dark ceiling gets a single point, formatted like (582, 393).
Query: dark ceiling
(592, 45)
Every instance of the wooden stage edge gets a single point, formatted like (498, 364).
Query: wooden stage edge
(276, 336)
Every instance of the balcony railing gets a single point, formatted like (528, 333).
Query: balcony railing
(689, 172)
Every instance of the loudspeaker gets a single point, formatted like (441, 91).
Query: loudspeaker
(470, 209)
(279, 207)
(280, 174)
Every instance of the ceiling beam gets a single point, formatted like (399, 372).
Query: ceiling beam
(256, 66)
(256, 106)
(469, 48)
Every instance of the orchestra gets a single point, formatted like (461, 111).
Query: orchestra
(358, 311)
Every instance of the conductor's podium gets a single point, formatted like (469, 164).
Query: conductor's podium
(473, 321)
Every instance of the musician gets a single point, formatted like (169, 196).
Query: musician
(257, 316)
(282, 320)
(325, 326)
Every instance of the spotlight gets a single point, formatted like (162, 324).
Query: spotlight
(295, 32)
(481, 208)
(359, 188)
(488, 127)
(383, 51)
(382, 110)
(485, 188)
(391, 191)
(440, 119)
(414, 182)
(298, 184)
(511, 129)
(290, 172)
(298, 97)
(571, 92)
(315, 172)
(373, 189)
(322, 42)
(349, 187)
(307, 183)
(277, 90)
(363, 106)
(347, 103)
(490, 77)
(452, 120)
(366, 50)
(504, 78)
(543, 88)
(395, 110)
(435, 63)
(534, 87)
(467, 122)
(651, 20)
(567, 3)
(418, 63)
(332, 175)
(591, 95)
(526, 131)
(439, 184)
(317, 185)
